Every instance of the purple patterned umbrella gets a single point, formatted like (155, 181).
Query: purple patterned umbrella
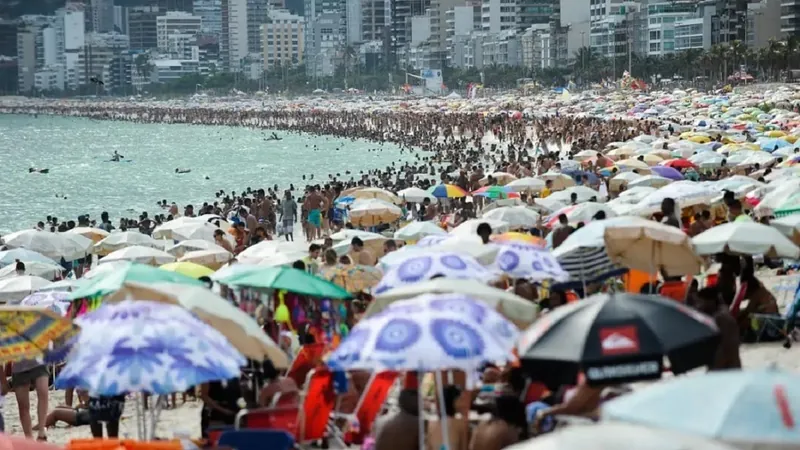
(667, 172)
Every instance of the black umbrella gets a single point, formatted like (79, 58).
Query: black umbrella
(616, 338)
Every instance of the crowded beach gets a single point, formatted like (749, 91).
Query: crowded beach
(523, 282)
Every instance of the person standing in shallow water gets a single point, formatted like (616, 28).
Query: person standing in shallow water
(288, 215)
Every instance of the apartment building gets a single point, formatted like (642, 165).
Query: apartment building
(282, 39)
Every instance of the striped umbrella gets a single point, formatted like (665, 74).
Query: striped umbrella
(447, 191)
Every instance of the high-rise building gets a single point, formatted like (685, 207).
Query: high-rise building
(535, 12)
(102, 15)
(26, 58)
(8, 37)
(142, 29)
(375, 19)
(233, 42)
(211, 13)
(162, 5)
(175, 22)
(498, 15)
(790, 17)
(97, 55)
(282, 39)
(257, 15)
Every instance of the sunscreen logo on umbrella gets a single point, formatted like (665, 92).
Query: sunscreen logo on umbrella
(619, 340)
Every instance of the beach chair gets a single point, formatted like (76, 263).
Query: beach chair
(369, 405)
(308, 357)
(256, 440)
(674, 289)
(284, 399)
(214, 433)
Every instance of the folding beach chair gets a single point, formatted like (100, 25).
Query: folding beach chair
(307, 359)
(256, 440)
(369, 405)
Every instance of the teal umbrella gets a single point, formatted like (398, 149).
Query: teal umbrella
(115, 280)
(287, 279)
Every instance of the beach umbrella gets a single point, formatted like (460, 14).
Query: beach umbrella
(622, 178)
(582, 212)
(447, 191)
(515, 237)
(560, 180)
(789, 226)
(94, 234)
(416, 268)
(678, 163)
(51, 245)
(470, 245)
(770, 144)
(191, 245)
(66, 285)
(501, 178)
(614, 436)
(287, 279)
(352, 278)
(586, 154)
(29, 331)
(238, 327)
(416, 230)
(268, 249)
(470, 227)
(377, 194)
(188, 268)
(139, 254)
(372, 212)
(185, 231)
(121, 239)
(141, 346)
(771, 397)
(212, 258)
(57, 302)
(516, 309)
(651, 247)
(372, 241)
(627, 164)
(685, 194)
(515, 216)
(496, 192)
(655, 181)
(617, 338)
(526, 184)
(416, 195)
(530, 262)
(8, 257)
(40, 269)
(427, 333)
(19, 287)
(121, 274)
(745, 238)
(667, 172)
(738, 184)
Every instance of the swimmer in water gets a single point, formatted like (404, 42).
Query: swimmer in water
(116, 156)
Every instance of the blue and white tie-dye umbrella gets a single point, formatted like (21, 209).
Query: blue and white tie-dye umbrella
(140, 346)
(529, 262)
(422, 267)
(428, 333)
(56, 301)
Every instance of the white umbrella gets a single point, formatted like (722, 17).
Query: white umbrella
(774, 199)
(469, 245)
(266, 249)
(103, 269)
(215, 220)
(213, 258)
(17, 288)
(40, 269)
(67, 285)
(586, 154)
(651, 246)
(685, 194)
(635, 194)
(789, 226)
(623, 178)
(415, 195)
(121, 239)
(563, 198)
(11, 256)
(515, 216)
(139, 254)
(191, 245)
(194, 231)
(582, 212)
(52, 245)
(512, 306)
(376, 194)
(650, 181)
(470, 227)
(745, 238)
(414, 231)
(501, 178)
(560, 180)
(95, 234)
(614, 436)
(526, 184)
(368, 213)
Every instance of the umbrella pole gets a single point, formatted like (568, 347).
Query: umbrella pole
(653, 265)
(583, 280)
(421, 408)
(139, 426)
(442, 411)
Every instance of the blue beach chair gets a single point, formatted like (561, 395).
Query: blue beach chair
(257, 440)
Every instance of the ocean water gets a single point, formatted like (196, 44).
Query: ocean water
(82, 180)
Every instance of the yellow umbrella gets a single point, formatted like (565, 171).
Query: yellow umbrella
(790, 138)
(372, 212)
(775, 133)
(189, 269)
(353, 279)
(27, 332)
(652, 160)
(632, 164)
(700, 139)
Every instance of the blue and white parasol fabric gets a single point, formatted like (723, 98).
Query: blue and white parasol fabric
(427, 333)
(55, 301)
(423, 267)
(140, 346)
(586, 265)
(530, 262)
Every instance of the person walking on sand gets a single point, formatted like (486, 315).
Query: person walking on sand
(288, 215)
(24, 374)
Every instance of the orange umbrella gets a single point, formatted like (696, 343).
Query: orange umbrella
(513, 236)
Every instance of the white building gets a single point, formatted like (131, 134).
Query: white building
(167, 70)
(282, 39)
(51, 51)
(233, 44)
(661, 19)
(760, 26)
(71, 36)
(176, 22)
(696, 33)
(51, 78)
(26, 59)
(502, 49)
(210, 11)
(96, 56)
(498, 15)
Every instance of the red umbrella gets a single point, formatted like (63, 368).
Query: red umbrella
(678, 163)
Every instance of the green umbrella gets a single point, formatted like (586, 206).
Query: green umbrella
(115, 280)
(287, 279)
